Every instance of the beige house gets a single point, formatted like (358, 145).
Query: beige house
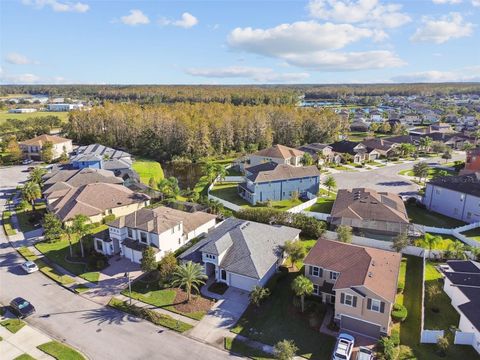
(96, 201)
(32, 148)
(278, 154)
(360, 282)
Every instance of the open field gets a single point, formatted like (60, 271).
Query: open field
(147, 169)
(4, 115)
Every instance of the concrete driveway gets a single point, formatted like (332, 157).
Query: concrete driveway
(223, 316)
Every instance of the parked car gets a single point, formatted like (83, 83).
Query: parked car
(29, 267)
(343, 347)
(27, 161)
(21, 307)
(364, 353)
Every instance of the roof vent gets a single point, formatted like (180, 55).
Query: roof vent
(373, 263)
(370, 274)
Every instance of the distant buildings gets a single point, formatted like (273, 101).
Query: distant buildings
(472, 162)
(21, 111)
(64, 107)
(32, 148)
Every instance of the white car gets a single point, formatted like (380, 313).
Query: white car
(29, 267)
(27, 161)
(364, 353)
(343, 347)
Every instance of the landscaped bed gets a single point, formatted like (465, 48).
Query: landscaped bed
(171, 299)
(422, 216)
(277, 319)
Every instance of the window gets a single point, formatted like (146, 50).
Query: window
(348, 300)
(375, 305)
(208, 256)
(316, 289)
(316, 271)
(173, 230)
(469, 215)
(333, 275)
(130, 233)
(143, 237)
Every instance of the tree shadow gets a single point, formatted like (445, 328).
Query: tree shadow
(108, 315)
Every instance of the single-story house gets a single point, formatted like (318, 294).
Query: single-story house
(321, 153)
(455, 196)
(383, 147)
(360, 282)
(462, 285)
(272, 181)
(242, 253)
(96, 201)
(32, 148)
(370, 211)
(164, 229)
(279, 154)
(358, 151)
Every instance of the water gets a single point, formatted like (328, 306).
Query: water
(187, 174)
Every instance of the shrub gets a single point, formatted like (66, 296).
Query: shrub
(108, 218)
(285, 350)
(400, 287)
(399, 312)
(442, 345)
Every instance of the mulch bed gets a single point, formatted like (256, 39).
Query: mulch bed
(197, 303)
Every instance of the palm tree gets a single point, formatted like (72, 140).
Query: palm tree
(426, 142)
(69, 231)
(215, 206)
(421, 170)
(79, 225)
(330, 183)
(430, 241)
(458, 250)
(257, 294)
(302, 286)
(189, 275)
(208, 170)
(36, 175)
(30, 192)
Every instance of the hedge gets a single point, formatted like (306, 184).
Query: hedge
(7, 225)
(399, 312)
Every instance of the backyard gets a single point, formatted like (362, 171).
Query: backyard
(473, 234)
(324, 203)
(421, 216)
(148, 169)
(445, 243)
(277, 319)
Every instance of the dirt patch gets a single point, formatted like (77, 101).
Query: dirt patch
(196, 303)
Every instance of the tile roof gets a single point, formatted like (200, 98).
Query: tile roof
(272, 171)
(280, 152)
(368, 204)
(375, 269)
(468, 183)
(42, 139)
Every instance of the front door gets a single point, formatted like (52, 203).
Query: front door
(223, 275)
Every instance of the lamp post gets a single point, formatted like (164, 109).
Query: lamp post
(127, 275)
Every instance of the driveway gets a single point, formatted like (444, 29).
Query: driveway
(11, 176)
(386, 178)
(223, 316)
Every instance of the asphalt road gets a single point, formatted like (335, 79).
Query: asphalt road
(386, 178)
(99, 332)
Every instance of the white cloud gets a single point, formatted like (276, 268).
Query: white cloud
(451, 2)
(257, 74)
(59, 6)
(136, 17)
(476, 2)
(441, 30)
(18, 59)
(186, 21)
(19, 78)
(366, 12)
(441, 76)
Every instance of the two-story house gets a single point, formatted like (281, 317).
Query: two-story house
(358, 151)
(360, 282)
(321, 153)
(241, 253)
(279, 154)
(32, 148)
(100, 157)
(271, 181)
(455, 196)
(164, 229)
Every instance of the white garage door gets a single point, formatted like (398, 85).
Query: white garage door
(242, 282)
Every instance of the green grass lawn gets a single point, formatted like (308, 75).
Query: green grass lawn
(432, 172)
(410, 328)
(60, 351)
(13, 325)
(24, 217)
(421, 216)
(276, 319)
(151, 293)
(444, 244)
(24, 357)
(446, 316)
(473, 234)
(323, 205)
(147, 169)
(241, 348)
(4, 115)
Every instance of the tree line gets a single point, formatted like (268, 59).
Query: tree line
(199, 130)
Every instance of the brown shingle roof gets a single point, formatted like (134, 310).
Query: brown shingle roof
(281, 172)
(368, 204)
(375, 269)
(280, 152)
(42, 139)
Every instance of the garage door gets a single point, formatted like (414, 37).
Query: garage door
(359, 326)
(242, 282)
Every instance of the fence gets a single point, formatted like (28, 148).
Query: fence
(463, 338)
(430, 336)
(225, 203)
(455, 232)
(235, 179)
(316, 215)
(302, 206)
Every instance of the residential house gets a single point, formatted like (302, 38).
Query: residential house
(279, 154)
(272, 181)
(462, 285)
(358, 151)
(359, 125)
(360, 282)
(242, 253)
(101, 157)
(383, 147)
(472, 162)
(96, 201)
(455, 196)
(164, 229)
(370, 211)
(32, 148)
(321, 153)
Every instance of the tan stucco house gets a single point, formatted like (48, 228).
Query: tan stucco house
(32, 148)
(360, 282)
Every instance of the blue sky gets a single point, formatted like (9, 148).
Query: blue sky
(238, 42)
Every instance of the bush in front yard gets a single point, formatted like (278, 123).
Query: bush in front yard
(399, 312)
(400, 287)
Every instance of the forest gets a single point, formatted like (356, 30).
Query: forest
(163, 132)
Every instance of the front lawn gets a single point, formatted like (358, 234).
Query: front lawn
(439, 312)
(13, 325)
(60, 351)
(29, 220)
(432, 172)
(24, 357)
(148, 169)
(473, 234)
(277, 319)
(422, 216)
(241, 348)
(171, 299)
